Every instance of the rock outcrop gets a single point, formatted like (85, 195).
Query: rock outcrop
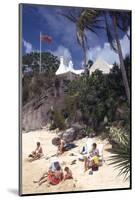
(76, 132)
(35, 114)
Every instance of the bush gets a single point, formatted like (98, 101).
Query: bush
(58, 121)
(97, 96)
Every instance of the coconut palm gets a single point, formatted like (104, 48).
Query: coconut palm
(119, 20)
(84, 19)
(89, 19)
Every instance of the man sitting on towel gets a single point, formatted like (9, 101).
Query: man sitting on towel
(93, 159)
(37, 153)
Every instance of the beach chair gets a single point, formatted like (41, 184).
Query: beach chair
(86, 148)
(101, 156)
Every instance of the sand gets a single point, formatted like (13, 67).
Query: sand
(105, 178)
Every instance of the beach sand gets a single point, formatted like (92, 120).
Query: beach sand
(105, 178)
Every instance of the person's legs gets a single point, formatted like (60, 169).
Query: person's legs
(32, 155)
(86, 163)
(37, 156)
(42, 177)
(43, 180)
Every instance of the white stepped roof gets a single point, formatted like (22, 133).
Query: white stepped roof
(101, 65)
(63, 69)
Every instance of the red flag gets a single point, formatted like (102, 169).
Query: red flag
(46, 38)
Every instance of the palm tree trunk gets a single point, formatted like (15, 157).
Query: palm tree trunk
(85, 57)
(122, 66)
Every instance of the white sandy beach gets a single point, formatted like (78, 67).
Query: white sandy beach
(105, 178)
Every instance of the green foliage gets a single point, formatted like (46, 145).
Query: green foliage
(121, 157)
(49, 63)
(36, 83)
(58, 121)
(71, 105)
(89, 131)
(97, 96)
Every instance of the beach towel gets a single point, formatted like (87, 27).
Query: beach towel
(69, 146)
(53, 179)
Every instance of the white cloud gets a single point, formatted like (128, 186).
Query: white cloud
(60, 25)
(107, 53)
(63, 51)
(28, 46)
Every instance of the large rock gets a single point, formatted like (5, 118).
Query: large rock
(74, 133)
(77, 126)
(35, 114)
(69, 135)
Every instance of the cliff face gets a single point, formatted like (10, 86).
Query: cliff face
(35, 114)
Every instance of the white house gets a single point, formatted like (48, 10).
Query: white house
(102, 65)
(68, 69)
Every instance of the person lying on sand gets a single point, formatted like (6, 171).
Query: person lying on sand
(93, 159)
(52, 177)
(68, 174)
(61, 147)
(38, 153)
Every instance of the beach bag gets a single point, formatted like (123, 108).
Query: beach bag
(94, 167)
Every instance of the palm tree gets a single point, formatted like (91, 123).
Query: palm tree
(85, 19)
(88, 19)
(119, 20)
(122, 158)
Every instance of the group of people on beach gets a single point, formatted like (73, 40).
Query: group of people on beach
(55, 173)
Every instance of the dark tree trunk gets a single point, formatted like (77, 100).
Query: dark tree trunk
(122, 66)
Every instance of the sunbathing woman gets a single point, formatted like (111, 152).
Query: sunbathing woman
(37, 153)
(68, 174)
(92, 159)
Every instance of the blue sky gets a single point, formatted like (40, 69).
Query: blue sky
(36, 18)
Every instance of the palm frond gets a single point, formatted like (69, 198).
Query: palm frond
(121, 155)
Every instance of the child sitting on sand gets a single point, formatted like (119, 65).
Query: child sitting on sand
(68, 174)
(37, 153)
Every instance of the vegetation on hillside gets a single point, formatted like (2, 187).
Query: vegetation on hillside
(34, 83)
(98, 96)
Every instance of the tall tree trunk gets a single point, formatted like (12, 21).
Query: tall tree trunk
(122, 66)
(85, 58)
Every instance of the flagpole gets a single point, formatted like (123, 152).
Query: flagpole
(40, 69)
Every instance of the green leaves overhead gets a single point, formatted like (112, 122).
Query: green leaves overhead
(121, 158)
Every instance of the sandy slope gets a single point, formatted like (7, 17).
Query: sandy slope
(105, 178)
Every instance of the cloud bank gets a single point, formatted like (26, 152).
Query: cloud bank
(28, 46)
(107, 53)
(63, 51)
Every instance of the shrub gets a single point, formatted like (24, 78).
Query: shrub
(58, 121)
